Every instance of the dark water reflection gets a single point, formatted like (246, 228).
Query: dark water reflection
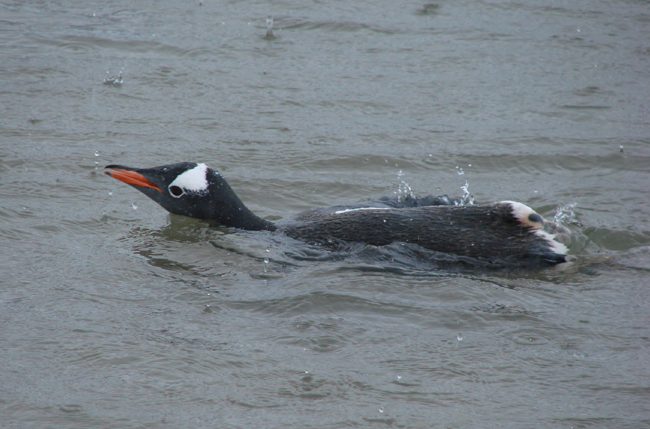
(114, 314)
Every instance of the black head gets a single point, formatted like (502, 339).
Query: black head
(182, 188)
(190, 189)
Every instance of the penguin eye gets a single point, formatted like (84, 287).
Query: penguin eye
(176, 191)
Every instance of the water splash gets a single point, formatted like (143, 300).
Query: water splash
(565, 214)
(403, 189)
(115, 81)
(467, 198)
(429, 8)
(269, 29)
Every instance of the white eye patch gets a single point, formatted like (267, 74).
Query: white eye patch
(194, 180)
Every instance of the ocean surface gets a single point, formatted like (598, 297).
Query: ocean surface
(115, 314)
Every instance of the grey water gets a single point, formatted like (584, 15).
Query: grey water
(115, 314)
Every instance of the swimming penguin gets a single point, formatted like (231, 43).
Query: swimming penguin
(503, 233)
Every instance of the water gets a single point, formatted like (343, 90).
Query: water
(116, 317)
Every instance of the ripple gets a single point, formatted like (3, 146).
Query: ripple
(527, 337)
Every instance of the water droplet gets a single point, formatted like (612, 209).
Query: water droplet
(266, 264)
(460, 337)
(381, 409)
(565, 214)
(306, 372)
(96, 153)
(110, 193)
(134, 205)
(467, 198)
(399, 377)
(404, 189)
(621, 148)
(269, 28)
(117, 81)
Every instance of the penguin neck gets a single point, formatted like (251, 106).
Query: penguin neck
(241, 217)
(229, 210)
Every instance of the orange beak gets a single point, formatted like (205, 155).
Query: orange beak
(131, 178)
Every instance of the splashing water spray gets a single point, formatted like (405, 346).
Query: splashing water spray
(269, 28)
(404, 189)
